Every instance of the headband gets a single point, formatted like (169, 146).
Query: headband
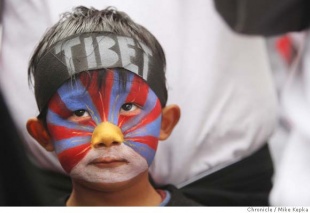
(93, 51)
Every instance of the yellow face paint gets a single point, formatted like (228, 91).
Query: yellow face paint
(105, 134)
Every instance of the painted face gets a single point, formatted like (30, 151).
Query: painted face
(105, 132)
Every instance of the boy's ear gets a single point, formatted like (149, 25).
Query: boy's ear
(170, 118)
(38, 131)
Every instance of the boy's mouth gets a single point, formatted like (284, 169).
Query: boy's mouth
(108, 162)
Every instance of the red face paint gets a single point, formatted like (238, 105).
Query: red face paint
(80, 105)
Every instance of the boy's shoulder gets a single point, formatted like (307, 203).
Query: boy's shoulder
(177, 198)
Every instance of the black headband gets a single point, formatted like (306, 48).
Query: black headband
(93, 51)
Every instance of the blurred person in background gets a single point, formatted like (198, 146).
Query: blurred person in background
(18, 180)
(285, 26)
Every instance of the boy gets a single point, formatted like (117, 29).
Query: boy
(100, 87)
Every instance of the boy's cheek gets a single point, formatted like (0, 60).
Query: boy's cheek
(67, 130)
(71, 157)
(144, 140)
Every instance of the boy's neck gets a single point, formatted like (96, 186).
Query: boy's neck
(139, 193)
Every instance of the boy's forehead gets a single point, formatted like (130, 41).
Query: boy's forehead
(93, 51)
(122, 81)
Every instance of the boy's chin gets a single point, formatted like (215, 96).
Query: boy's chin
(102, 186)
(109, 166)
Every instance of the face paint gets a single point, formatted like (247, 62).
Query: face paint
(126, 164)
(79, 107)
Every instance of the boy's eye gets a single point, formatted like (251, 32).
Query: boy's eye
(80, 113)
(79, 116)
(129, 109)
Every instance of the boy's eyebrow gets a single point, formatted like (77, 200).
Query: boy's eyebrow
(93, 51)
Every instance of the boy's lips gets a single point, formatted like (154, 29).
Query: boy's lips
(108, 162)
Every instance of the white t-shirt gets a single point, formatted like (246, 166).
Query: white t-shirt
(291, 180)
(221, 81)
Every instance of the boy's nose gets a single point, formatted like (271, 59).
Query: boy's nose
(106, 134)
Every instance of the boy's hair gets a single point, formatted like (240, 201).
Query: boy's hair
(89, 20)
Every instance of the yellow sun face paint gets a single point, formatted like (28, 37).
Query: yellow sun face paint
(105, 134)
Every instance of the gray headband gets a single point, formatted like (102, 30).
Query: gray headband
(93, 51)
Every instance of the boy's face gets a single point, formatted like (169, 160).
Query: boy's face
(107, 134)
